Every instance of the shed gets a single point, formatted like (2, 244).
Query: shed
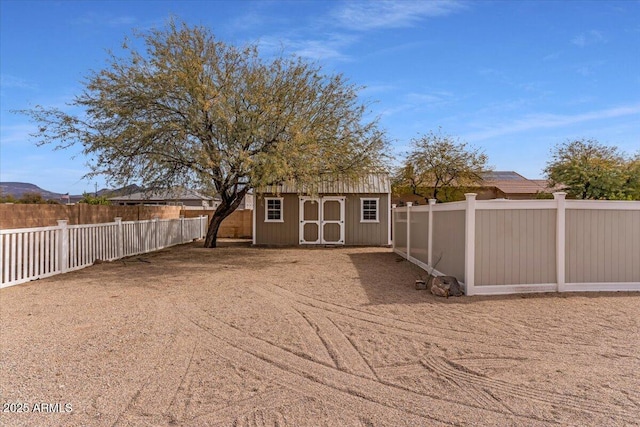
(347, 211)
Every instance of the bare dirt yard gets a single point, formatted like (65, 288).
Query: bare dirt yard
(241, 336)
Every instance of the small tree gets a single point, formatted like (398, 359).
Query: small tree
(436, 163)
(31, 198)
(90, 199)
(194, 111)
(590, 170)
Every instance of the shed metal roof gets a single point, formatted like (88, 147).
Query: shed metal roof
(375, 183)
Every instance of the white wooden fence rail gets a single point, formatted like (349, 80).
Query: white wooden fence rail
(508, 246)
(33, 253)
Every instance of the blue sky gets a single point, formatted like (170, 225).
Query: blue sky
(513, 78)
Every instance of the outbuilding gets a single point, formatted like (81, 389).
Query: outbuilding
(349, 211)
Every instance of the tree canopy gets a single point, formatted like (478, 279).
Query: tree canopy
(590, 170)
(436, 163)
(194, 111)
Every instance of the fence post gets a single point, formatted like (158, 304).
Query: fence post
(181, 228)
(470, 243)
(119, 238)
(393, 227)
(432, 203)
(63, 246)
(156, 232)
(409, 204)
(560, 239)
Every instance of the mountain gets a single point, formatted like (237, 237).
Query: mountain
(18, 189)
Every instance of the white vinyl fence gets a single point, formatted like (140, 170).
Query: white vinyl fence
(34, 253)
(509, 246)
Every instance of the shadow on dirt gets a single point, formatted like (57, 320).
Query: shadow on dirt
(389, 279)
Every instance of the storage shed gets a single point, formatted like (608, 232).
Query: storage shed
(345, 211)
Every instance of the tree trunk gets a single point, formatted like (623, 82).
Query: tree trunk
(225, 209)
(212, 232)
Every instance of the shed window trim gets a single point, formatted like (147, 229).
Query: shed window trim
(273, 211)
(369, 212)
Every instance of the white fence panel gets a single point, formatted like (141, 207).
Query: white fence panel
(28, 254)
(33, 253)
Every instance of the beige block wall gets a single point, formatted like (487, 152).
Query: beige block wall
(44, 215)
(238, 225)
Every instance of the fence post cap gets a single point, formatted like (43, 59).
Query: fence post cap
(409, 204)
(470, 195)
(118, 219)
(558, 195)
(393, 206)
(433, 201)
(62, 222)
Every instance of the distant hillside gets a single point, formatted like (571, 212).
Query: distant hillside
(17, 189)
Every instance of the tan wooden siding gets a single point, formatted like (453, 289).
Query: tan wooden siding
(356, 233)
(515, 247)
(374, 233)
(448, 243)
(420, 235)
(278, 233)
(602, 246)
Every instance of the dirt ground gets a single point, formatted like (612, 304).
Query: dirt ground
(241, 336)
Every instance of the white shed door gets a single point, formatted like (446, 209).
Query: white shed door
(322, 220)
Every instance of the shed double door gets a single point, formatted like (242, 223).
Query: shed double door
(322, 220)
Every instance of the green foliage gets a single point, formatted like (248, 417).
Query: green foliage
(193, 111)
(7, 198)
(439, 167)
(26, 198)
(90, 199)
(590, 170)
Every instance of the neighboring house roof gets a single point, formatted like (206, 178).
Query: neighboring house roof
(372, 183)
(510, 182)
(159, 196)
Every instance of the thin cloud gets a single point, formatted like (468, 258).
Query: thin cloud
(8, 81)
(549, 121)
(315, 49)
(95, 19)
(387, 14)
(588, 38)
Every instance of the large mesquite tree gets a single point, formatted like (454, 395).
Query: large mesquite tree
(193, 111)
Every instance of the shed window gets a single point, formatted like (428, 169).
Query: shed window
(273, 209)
(369, 210)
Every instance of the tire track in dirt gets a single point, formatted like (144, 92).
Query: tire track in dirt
(466, 378)
(404, 406)
(346, 356)
(158, 394)
(314, 345)
(243, 412)
(449, 334)
(460, 376)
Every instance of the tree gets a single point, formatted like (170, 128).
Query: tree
(590, 170)
(438, 162)
(194, 111)
(90, 199)
(632, 184)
